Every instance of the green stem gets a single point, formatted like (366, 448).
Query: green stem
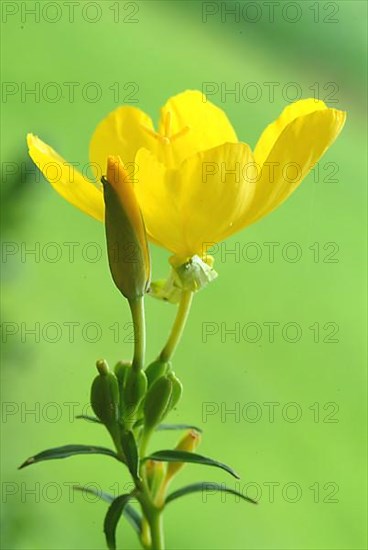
(137, 309)
(178, 327)
(157, 531)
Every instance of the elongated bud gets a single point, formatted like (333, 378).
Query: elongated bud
(125, 233)
(155, 370)
(105, 395)
(155, 474)
(134, 391)
(188, 443)
(156, 402)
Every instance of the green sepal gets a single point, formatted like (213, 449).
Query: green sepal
(206, 486)
(185, 456)
(67, 451)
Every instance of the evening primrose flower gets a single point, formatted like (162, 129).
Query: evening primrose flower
(196, 183)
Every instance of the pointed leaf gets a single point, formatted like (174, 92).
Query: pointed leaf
(129, 512)
(185, 456)
(89, 418)
(112, 519)
(163, 427)
(91, 491)
(131, 453)
(66, 451)
(206, 486)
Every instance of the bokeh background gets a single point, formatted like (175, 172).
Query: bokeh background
(306, 463)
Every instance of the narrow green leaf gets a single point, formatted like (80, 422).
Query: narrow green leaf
(100, 494)
(131, 453)
(185, 456)
(112, 519)
(206, 486)
(66, 451)
(162, 427)
(129, 512)
(89, 418)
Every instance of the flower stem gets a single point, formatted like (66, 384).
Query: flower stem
(157, 531)
(178, 327)
(137, 309)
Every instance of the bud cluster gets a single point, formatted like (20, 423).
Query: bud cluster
(130, 400)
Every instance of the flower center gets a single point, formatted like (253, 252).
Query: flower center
(167, 138)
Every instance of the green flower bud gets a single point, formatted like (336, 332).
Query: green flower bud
(134, 391)
(177, 390)
(125, 233)
(156, 402)
(122, 369)
(105, 395)
(155, 370)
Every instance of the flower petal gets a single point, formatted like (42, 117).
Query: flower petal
(270, 135)
(121, 133)
(217, 186)
(158, 198)
(207, 125)
(65, 179)
(296, 151)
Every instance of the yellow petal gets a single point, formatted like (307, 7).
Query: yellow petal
(217, 186)
(65, 179)
(203, 125)
(121, 133)
(272, 132)
(199, 203)
(296, 151)
(158, 199)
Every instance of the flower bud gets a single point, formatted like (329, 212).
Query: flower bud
(105, 395)
(134, 391)
(155, 370)
(121, 370)
(155, 474)
(156, 402)
(125, 233)
(188, 443)
(177, 390)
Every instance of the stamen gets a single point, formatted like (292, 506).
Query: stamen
(181, 133)
(151, 132)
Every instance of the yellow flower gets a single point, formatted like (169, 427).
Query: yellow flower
(195, 182)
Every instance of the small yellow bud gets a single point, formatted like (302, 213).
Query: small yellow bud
(125, 233)
(188, 443)
(155, 474)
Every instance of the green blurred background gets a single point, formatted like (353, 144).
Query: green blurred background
(315, 463)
